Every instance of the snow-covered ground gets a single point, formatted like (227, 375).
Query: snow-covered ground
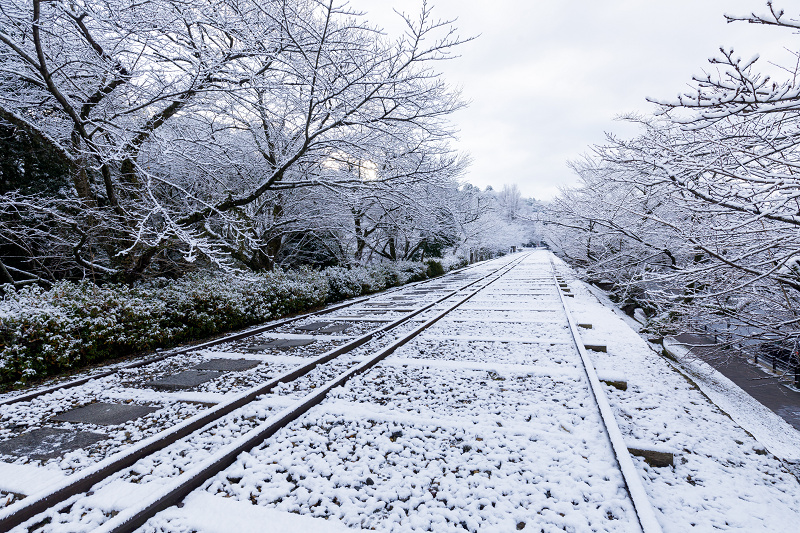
(443, 436)
(723, 478)
(485, 422)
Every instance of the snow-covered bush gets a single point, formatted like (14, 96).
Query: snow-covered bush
(350, 282)
(454, 262)
(43, 332)
(346, 282)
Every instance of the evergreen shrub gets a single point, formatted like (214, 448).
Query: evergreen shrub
(72, 325)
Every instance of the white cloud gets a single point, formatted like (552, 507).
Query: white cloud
(546, 79)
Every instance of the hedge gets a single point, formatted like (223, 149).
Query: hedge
(72, 325)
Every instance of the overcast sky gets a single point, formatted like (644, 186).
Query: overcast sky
(547, 78)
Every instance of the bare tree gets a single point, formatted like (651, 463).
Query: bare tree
(700, 212)
(181, 122)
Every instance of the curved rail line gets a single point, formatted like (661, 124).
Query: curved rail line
(221, 340)
(633, 483)
(65, 493)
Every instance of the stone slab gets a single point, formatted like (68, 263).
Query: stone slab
(335, 328)
(313, 326)
(183, 380)
(393, 308)
(281, 344)
(49, 442)
(227, 365)
(295, 343)
(261, 347)
(365, 318)
(107, 414)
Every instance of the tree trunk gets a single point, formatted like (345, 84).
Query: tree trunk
(80, 178)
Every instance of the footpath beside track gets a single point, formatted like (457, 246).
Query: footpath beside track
(471, 402)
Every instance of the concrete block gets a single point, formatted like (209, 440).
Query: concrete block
(183, 380)
(110, 414)
(49, 442)
(655, 458)
(596, 347)
(227, 365)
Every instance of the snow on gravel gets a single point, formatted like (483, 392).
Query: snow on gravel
(443, 446)
(484, 351)
(451, 433)
(419, 475)
(723, 478)
(501, 329)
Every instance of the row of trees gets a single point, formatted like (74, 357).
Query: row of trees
(697, 220)
(147, 137)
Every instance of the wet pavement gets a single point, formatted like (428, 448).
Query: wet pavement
(768, 389)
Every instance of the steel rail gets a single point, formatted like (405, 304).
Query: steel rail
(215, 342)
(40, 502)
(633, 483)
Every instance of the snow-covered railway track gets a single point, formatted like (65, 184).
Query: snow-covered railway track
(235, 415)
(642, 506)
(445, 434)
(133, 402)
